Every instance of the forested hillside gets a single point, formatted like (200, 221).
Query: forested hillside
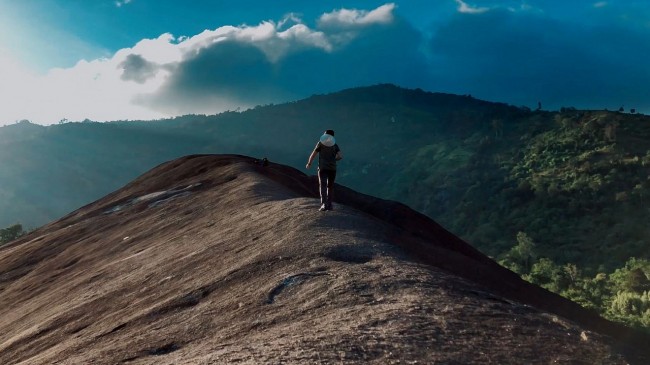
(560, 197)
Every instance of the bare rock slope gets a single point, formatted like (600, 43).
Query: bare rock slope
(219, 260)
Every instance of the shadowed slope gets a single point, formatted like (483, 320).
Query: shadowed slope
(215, 259)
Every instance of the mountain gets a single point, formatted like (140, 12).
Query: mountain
(575, 183)
(213, 259)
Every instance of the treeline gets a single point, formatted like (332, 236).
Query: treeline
(622, 295)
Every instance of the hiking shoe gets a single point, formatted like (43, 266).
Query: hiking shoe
(329, 207)
(322, 208)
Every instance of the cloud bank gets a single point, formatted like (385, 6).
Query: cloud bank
(497, 53)
(224, 68)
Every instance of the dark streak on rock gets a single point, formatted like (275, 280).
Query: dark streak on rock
(289, 281)
(164, 350)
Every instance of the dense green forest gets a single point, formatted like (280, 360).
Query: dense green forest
(622, 295)
(560, 197)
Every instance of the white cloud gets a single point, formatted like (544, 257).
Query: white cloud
(291, 18)
(121, 3)
(343, 25)
(463, 7)
(122, 86)
(345, 18)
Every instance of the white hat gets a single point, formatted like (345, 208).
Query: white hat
(327, 140)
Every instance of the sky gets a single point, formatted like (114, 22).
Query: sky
(149, 59)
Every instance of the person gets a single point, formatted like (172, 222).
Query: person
(328, 153)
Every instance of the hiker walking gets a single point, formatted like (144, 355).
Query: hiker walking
(328, 153)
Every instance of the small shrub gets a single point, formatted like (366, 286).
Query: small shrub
(11, 233)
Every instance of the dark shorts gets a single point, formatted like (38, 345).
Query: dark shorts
(326, 176)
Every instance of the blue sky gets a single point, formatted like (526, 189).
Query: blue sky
(147, 59)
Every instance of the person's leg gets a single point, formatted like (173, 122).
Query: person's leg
(322, 187)
(331, 176)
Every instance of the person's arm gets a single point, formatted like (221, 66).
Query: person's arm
(312, 156)
(339, 154)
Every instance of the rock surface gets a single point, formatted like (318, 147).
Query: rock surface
(219, 260)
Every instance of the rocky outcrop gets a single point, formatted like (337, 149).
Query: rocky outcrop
(215, 259)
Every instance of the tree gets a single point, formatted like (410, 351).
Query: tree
(626, 304)
(520, 258)
(525, 250)
(11, 233)
(544, 273)
(497, 126)
(573, 274)
(636, 281)
(596, 291)
(632, 277)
